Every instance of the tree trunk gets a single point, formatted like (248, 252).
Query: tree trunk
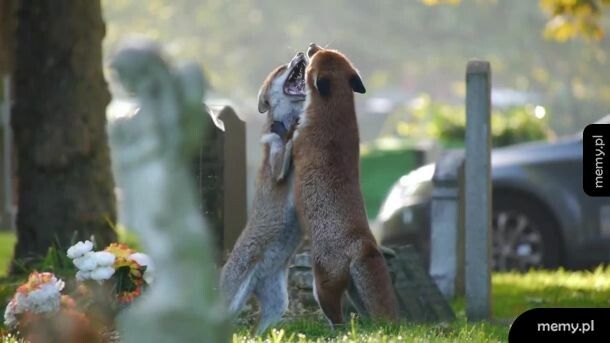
(7, 56)
(7, 32)
(63, 164)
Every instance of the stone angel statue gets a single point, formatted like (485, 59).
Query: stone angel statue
(151, 155)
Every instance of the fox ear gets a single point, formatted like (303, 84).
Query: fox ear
(323, 86)
(263, 104)
(356, 82)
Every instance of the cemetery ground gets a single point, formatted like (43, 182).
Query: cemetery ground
(513, 293)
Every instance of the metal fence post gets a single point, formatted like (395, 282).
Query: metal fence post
(478, 190)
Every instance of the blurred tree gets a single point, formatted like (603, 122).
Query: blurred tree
(7, 32)
(574, 18)
(569, 18)
(65, 184)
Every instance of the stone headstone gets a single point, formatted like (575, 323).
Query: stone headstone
(446, 221)
(419, 299)
(221, 173)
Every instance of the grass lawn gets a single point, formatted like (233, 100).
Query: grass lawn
(513, 293)
(7, 243)
(316, 330)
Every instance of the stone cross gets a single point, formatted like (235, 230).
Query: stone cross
(152, 160)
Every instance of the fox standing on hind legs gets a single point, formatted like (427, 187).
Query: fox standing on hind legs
(260, 257)
(327, 190)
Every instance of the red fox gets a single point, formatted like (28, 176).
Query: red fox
(327, 191)
(260, 257)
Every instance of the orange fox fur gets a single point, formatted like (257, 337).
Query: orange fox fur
(327, 190)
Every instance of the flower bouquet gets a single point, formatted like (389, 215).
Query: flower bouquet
(41, 313)
(121, 268)
(105, 282)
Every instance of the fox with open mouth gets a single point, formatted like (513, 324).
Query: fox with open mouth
(259, 261)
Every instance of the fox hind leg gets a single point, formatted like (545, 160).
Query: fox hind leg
(329, 295)
(272, 295)
(371, 279)
(236, 289)
(356, 300)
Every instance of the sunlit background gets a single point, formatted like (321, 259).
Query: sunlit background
(550, 74)
(403, 48)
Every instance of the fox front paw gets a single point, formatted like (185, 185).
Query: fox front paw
(271, 139)
(279, 129)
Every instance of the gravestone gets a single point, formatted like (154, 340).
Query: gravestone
(419, 299)
(152, 158)
(447, 222)
(221, 172)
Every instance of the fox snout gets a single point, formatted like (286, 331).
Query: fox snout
(296, 59)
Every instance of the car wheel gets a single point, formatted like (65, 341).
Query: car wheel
(524, 235)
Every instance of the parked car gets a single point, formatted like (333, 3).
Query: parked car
(541, 216)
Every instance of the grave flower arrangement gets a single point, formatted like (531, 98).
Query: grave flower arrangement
(40, 295)
(40, 312)
(105, 282)
(126, 271)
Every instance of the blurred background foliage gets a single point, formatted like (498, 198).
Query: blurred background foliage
(574, 18)
(568, 18)
(552, 50)
(446, 123)
(400, 149)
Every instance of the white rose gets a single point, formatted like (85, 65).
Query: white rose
(103, 273)
(86, 262)
(145, 261)
(59, 284)
(79, 249)
(83, 275)
(103, 258)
